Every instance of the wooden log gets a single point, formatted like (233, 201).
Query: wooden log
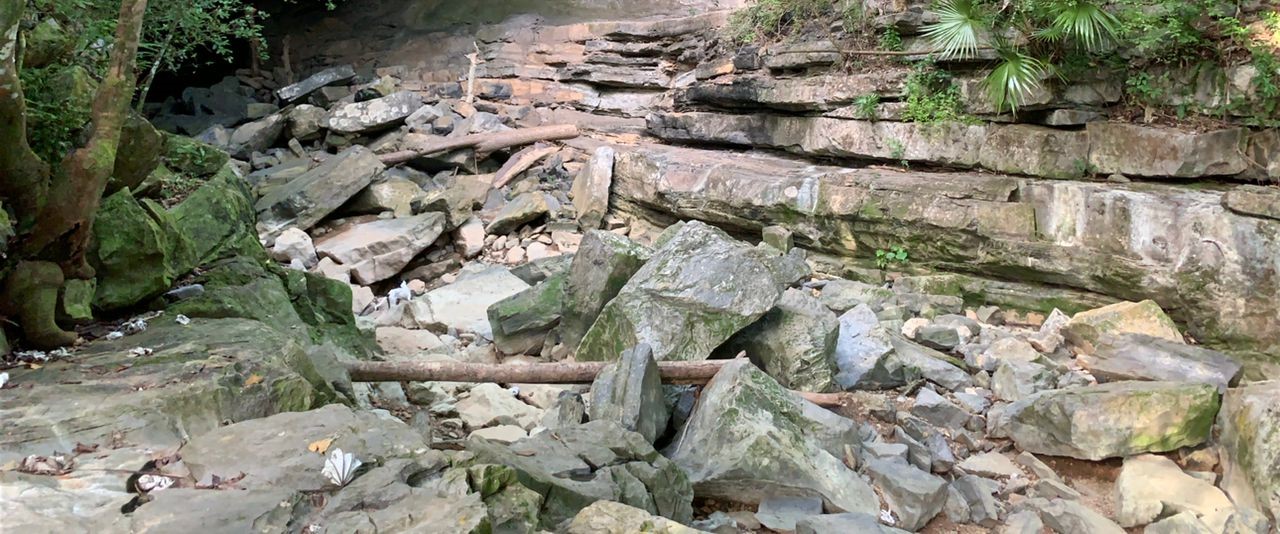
(484, 143)
(521, 161)
(679, 373)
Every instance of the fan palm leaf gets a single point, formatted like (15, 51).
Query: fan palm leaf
(957, 31)
(1083, 21)
(1016, 77)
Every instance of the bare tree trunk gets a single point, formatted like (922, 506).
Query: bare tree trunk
(485, 143)
(24, 177)
(155, 65)
(67, 218)
(688, 373)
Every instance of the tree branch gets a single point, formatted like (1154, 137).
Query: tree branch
(24, 177)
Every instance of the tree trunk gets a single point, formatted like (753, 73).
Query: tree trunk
(67, 217)
(24, 177)
(686, 373)
(484, 143)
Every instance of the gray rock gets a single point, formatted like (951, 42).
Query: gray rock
(939, 336)
(576, 466)
(1038, 468)
(611, 517)
(591, 188)
(1054, 489)
(990, 465)
(521, 322)
(329, 76)
(749, 437)
(307, 199)
(843, 295)
(391, 194)
(1063, 515)
(1179, 523)
(861, 344)
(889, 452)
(795, 343)
(464, 304)
(1147, 151)
(936, 409)
(974, 403)
(256, 136)
(569, 409)
(602, 266)
(373, 115)
(778, 237)
(1247, 521)
(1140, 357)
(522, 209)
(978, 493)
(913, 496)
(1149, 484)
(782, 512)
(629, 392)
(490, 405)
(1250, 439)
(942, 459)
(1015, 380)
(307, 122)
(541, 269)
(846, 522)
(699, 289)
(1114, 420)
(1024, 522)
(918, 454)
(380, 249)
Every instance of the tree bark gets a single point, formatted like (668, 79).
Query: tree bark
(484, 143)
(683, 373)
(24, 177)
(67, 218)
(520, 162)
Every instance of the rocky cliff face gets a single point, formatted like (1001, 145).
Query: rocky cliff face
(1041, 199)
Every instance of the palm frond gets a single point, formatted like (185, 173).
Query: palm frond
(1016, 77)
(1084, 21)
(959, 25)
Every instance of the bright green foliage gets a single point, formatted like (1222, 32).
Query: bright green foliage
(932, 97)
(773, 18)
(1015, 77)
(865, 106)
(887, 258)
(957, 32)
(890, 40)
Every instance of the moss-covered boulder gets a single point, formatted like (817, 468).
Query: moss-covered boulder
(76, 302)
(1114, 420)
(307, 306)
(218, 218)
(699, 289)
(191, 157)
(46, 43)
(795, 343)
(138, 251)
(1145, 318)
(141, 146)
(605, 261)
(78, 86)
(521, 322)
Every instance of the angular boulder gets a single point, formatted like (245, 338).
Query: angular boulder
(629, 392)
(218, 218)
(464, 304)
(377, 250)
(794, 342)
(1250, 439)
(521, 322)
(605, 517)
(522, 209)
(329, 76)
(374, 115)
(699, 289)
(1146, 318)
(395, 195)
(1142, 357)
(1114, 420)
(308, 199)
(913, 496)
(141, 146)
(1149, 484)
(137, 251)
(603, 264)
(591, 188)
(576, 466)
(256, 136)
(749, 437)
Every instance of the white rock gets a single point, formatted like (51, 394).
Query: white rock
(333, 270)
(375, 251)
(491, 405)
(361, 298)
(502, 433)
(913, 326)
(537, 251)
(515, 255)
(470, 237)
(397, 340)
(1150, 484)
(294, 244)
(464, 305)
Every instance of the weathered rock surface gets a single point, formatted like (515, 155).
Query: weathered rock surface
(1144, 318)
(329, 76)
(374, 115)
(395, 195)
(846, 522)
(913, 496)
(749, 438)
(629, 392)
(490, 404)
(1081, 235)
(1149, 484)
(377, 250)
(698, 289)
(1250, 438)
(464, 304)
(309, 198)
(794, 342)
(522, 209)
(1114, 420)
(1144, 151)
(522, 321)
(1141, 357)
(602, 266)
(591, 188)
(138, 251)
(576, 466)
(256, 136)
(605, 517)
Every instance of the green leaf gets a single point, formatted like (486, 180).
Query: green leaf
(959, 24)
(1083, 21)
(1015, 78)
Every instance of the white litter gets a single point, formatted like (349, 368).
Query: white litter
(400, 294)
(4, 379)
(340, 467)
(182, 320)
(141, 351)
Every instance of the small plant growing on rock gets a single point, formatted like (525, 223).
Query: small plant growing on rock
(890, 40)
(865, 106)
(895, 257)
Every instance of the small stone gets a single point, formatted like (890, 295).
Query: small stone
(502, 433)
(783, 512)
(912, 327)
(1040, 469)
(1024, 522)
(537, 251)
(936, 409)
(1053, 489)
(778, 237)
(914, 496)
(978, 493)
(514, 256)
(295, 244)
(990, 465)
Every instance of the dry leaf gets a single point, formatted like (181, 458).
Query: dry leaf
(321, 446)
(252, 380)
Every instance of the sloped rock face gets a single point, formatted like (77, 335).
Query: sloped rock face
(307, 199)
(1128, 243)
(377, 250)
(699, 289)
(749, 438)
(1250, 439)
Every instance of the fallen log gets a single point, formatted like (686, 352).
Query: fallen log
(483, 143)
(521, 161)
(678, 373)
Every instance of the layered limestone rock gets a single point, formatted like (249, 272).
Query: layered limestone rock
(1211, 267)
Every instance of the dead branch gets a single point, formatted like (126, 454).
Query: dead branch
(680, 373)
(484, 143)
(521, 162)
